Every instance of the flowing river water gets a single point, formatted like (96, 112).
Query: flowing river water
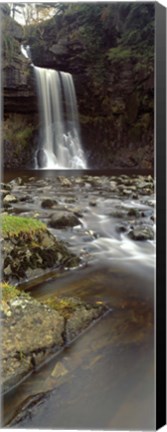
(105, 378)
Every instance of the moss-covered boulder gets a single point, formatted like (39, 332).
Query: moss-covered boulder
(28, 249)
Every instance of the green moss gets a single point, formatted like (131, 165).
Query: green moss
(15, 225)
(8, 292)
(118, 53)
(18, 130)
(65, 306)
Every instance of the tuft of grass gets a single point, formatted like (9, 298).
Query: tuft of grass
(14, 225)
(8, 292)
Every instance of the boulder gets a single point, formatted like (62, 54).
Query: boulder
(142, 233)
(48, 203)
(28, 255)
(63, 220)
(64, 181)
(9, 199)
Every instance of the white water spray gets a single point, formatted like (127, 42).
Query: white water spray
(60, 145)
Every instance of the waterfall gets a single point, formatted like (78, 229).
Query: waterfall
(59, 138)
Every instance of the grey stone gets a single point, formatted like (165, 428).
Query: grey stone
(142, 233)
(9, 199)
(48, 203)
(63, 220)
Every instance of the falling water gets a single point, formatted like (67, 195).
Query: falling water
(59, 139)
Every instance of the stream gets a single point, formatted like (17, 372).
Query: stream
(105, 378)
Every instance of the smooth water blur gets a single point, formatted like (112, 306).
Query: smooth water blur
(59, 138)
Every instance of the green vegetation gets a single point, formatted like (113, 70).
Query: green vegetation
(9, 292)
(14, 225)
(18, 130)
(10, 43)
(65, 306)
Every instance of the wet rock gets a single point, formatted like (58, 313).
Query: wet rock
(24, 198)
(9, 199)
(3, 192)
(76, 211)
(135, 196)
(64, 181)
(44, 328)
(118, 213)
(121, 229)
(149, 178)
(8, 270)
(134, 213)
(81, 319)
(144, 185)
(127, 192)
(70, 200)
(77, 314)
(93, 203)
(142, 233)
(49, 326)
(133, 188)
(48, 203)
(63, 220)
(6, 186)
(18, 181)
(113, 186)
(27, 257)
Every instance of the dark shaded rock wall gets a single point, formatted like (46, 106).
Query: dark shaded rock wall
(19, 97)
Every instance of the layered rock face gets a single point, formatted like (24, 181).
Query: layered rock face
(109, 49)
(19, 97)
(18, 80)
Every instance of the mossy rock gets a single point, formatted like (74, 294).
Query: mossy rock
(14, 226)
(66, 306)
(29, 248)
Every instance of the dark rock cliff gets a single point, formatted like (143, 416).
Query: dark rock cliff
(19, 97)
(18, 82)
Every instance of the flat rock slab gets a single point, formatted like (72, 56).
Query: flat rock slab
(32, 331)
